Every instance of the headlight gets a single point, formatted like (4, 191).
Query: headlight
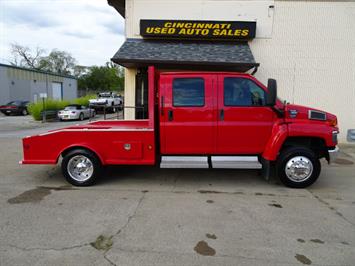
(335, 136)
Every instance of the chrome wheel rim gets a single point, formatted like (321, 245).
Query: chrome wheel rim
(80, 168)
(299, 169)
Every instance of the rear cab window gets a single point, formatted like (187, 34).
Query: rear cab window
(188, 92)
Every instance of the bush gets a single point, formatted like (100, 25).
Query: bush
(35, 109)
(84, 100)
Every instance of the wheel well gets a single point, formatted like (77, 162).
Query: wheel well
(317, 145)
(66, 151)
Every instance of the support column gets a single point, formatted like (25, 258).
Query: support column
(130, 93)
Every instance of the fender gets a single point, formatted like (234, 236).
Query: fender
(81, 146)
(279, 133)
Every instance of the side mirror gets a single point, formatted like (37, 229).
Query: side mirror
(272, 92)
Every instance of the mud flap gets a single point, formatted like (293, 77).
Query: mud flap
(268, 169)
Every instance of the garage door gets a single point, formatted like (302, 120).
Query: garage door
(57, 92)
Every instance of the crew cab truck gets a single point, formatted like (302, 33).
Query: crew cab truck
(198, 120)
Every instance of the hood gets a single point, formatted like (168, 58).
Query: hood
(294, 111)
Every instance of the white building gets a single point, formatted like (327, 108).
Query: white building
(308, 46)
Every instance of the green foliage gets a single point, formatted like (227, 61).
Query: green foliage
(84, 100)
(102, 78)
(35, 109)
(58, 62)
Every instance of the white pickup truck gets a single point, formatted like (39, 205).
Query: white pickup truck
(109, 100)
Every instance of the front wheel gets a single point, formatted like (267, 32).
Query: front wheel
(81, 167)
(298, 167)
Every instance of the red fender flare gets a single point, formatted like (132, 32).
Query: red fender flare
(279, 133)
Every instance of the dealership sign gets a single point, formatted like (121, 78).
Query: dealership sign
(192, 29)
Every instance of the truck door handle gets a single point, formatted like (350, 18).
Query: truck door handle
(170, 115)
(162, 105)
(221, 115)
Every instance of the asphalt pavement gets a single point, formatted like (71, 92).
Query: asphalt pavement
(150, 216)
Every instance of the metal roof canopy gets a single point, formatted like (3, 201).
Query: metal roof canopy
(186, 55)
(119, 5)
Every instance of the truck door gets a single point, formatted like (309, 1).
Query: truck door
(187, 114)
(244, 122)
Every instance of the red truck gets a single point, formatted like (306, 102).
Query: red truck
(198, 120)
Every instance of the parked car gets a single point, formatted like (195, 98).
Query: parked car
(15, 107)
(108, 100)
(76, 112)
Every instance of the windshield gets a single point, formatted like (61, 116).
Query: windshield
(104, 95)
(70, 108)
(14, 103)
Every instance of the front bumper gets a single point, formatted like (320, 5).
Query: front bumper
(333, 154)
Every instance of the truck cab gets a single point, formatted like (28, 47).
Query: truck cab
(199, 120)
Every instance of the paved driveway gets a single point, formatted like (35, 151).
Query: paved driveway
(147, 216)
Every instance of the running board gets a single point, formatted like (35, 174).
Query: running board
(184, 162)
(231, 162)
(236, 162)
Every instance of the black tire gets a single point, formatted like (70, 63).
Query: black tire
(24, 112)
(93, 114)
(7, 114)
(300, 152)
(81, 117)
(82, 153)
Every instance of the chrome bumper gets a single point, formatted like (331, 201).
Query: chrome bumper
(333, 154)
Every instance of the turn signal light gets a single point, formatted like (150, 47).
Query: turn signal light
(333, 122)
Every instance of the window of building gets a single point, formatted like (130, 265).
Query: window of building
(188, 92)
(242, 92)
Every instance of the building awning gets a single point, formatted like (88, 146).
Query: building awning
(185, 55)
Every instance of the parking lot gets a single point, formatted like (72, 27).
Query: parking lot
(151, 216)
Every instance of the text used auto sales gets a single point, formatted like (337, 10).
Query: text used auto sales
(194, 28)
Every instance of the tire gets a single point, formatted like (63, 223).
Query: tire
(24, 112)
(93, 114)
(81, 117)
(87, 175)
(7, 114)
(308, 163)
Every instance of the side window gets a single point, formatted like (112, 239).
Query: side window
(188, 92)
(242, 92)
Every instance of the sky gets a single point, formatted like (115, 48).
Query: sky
(90, 30)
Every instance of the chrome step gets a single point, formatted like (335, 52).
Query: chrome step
(236, 162)
(184, 162)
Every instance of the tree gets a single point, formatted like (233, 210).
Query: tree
(57, 61)
(23, 56)
(102, 78)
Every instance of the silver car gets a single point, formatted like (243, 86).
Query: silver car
(76, 112)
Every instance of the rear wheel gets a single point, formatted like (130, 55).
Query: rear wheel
(81, 117)
(81, 167)
(298, 167)
(24, 112)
